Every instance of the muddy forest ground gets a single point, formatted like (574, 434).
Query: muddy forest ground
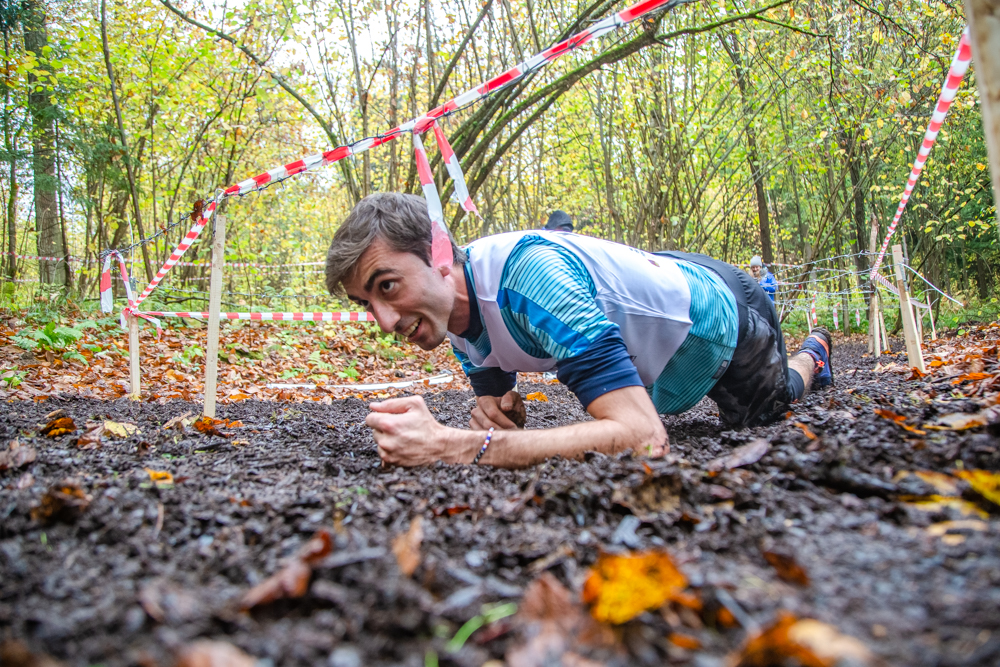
(862, 513)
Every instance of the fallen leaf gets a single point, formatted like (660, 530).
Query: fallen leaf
(17, 456)
(209, 426)
(971, 376)
(59, 426)
(684, 641)
(983, 482)
(159, 477)
(805, 430)
(165, 601)
(239, 396)
(939, 503)
(91, 438)
(787, 568)
(654, 496)
(743, 455)
(619, 588)
(180, 421)
(407, 547)
(121, 430)
(537, 396)
(211, 653)
(806, 642)
(64, 502)
(556, 626)
(292, 580)
(899, 420)
(14, 653)
(943, 528)
(957, 421)
(944, 484)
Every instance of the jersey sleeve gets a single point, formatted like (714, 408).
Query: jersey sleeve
(549, 303)
(485, 381)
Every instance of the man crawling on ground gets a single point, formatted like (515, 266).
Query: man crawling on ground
(633, 334)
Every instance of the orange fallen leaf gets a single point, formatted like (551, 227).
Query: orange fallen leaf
(899, 420)
(805, 430)
(160, 476)
(805, 642)
(971, 376)
(619, 588)
(65, 502)
(209, 426)
(983, 482)
(59, 426)
(684, 641)
(787, 568)
(537, 396)
(238, 396)
(406, 547)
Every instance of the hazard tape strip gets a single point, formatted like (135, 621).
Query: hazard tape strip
(345, 316)
(437, 379)
(959, 66)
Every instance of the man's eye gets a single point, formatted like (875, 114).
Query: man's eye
(387, 285)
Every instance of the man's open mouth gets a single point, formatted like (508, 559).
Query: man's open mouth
(413, 328)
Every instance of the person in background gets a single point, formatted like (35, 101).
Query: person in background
(764, 277)
(559, 221)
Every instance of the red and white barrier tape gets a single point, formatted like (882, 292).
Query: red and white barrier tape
(880, 279)
(420, 124)
(345, 316)
(181, 248)
(253, 265)
(857, 316)
(836, 321)
(959, 66)
(441, 254)
(461, 195)
(107, 298)
(423, 122)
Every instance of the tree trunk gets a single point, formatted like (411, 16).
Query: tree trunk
(43, 164)
(10, 144)
(753, 155)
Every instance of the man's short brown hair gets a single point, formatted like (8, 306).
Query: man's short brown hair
(401, 220)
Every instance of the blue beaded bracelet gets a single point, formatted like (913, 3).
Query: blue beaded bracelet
(489, 436)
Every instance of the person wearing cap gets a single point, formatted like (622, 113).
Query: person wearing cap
(632, 334)
(559, 221)
(764, 278)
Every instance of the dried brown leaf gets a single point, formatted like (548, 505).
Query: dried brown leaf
(17, 456)
(741, 456)
(178, 422)
(787, 568)
(806, 642)
(292, 580)
(806, 431)
(91, 437)
(64, 502)
(406, 547)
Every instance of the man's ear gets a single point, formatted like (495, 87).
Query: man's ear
(446, 270)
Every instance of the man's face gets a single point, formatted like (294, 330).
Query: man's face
(755, 270)
(406, 296)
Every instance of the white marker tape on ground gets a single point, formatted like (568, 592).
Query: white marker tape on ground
(437, 379)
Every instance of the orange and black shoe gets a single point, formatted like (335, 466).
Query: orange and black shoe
(819, 346)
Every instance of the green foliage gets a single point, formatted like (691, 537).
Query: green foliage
(349, 372)
(12, 378)
(52, 337)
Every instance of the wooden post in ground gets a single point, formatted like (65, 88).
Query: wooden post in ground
(214, 307)
(873, 321)
(984, 33)
(914, 355)
(930, 312)
(882, 329)
(133, 357)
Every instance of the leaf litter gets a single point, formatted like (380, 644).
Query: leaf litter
(246, 508)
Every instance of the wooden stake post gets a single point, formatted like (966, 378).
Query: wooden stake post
(133, 357)
(873, 321)
(984, 33)
(214, 308)
(914, 355)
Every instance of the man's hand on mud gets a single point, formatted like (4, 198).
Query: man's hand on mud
(506, 412)
(407, 434)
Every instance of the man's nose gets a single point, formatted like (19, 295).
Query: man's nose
(386, 316)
